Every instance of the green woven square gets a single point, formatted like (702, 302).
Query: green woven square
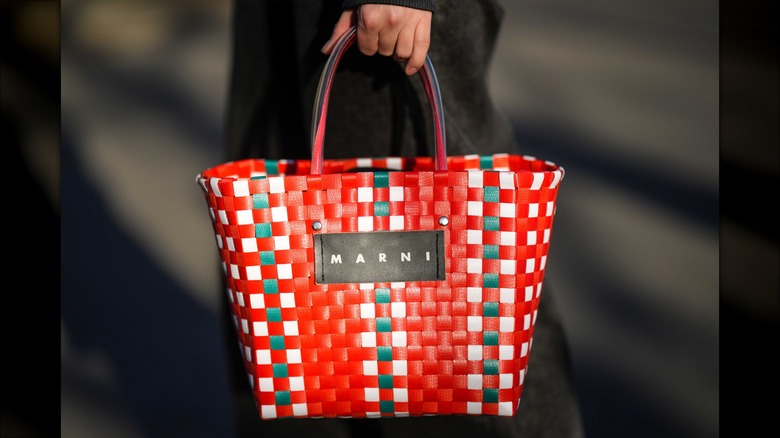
(384, 353)
(490, 309)
(271, 167)
(273, 314)
(386, 406)
(490, 395)
(490, 223)
(490, 367)
(381, 208)
(486, 162)
(490, 252)
(280, 370)
(382, 295)
(260, 200)
(283, 398)
(490, 338)
(381, 180)
(277, 342)
(385, 381)
(271, 286)
(383, 325)
(267, 258)
(490, 280)
(490, 194)
(263, 230)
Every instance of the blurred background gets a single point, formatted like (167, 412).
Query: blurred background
(113, 106)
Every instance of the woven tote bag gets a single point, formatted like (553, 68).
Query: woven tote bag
(408, 289)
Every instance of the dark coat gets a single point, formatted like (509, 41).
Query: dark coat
(376, 110)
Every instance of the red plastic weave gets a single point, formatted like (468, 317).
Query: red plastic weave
(458, 346)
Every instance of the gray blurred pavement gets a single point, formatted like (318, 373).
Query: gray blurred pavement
(623, 94)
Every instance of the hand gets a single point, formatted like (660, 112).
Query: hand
(398, 31)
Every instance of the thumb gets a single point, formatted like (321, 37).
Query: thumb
(346, 20)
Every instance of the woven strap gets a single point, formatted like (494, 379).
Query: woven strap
(428, 76)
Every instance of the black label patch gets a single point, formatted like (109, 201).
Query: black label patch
(382, 256)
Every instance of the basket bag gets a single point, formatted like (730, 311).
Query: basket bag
(381, 287)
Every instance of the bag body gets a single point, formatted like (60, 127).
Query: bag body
(379, 287)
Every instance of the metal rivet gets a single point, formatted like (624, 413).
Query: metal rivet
(443, 221)
(316, 225)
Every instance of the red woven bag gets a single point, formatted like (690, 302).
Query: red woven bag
(407, 291)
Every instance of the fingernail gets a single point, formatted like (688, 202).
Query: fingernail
(411, 70)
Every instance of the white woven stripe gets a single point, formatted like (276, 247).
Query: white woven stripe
(557, 175)
(249, 244)
(223, 217)
(253, 273)
(256, 301)
(526, 322)
(263, 357)
(529, 293)
(244, 217)
(396, 222)
(550, 208)
(474, 408)
(400, 368)
(505, 381)
(506, 209)
(396, 194)
(364, 162)
(524, 349)
(287, 299)
(365, 223)
(474, 381)
(474, 237)
(245, 325)
(367, 310)
(268, 411)
(260, 328)
(474, 352)
(474, 294)
(507, 267)
(239, 297)
(474, 266)
(506, 324)
(368, 339)
(474, 208)
(294, 356)
(394, 163)
(372, 394)
(530, 238)
(533, 210)
(213, 182)
(506, 180)
(474, 323)
(529, 266)
(506, 409)
(240, 188)
(284, 271)
(506, 352)
(399, 339)
(401, 395)
(281, 242)
(234, 272)
(365, 194)
(398, 309)
(506, 295)
(230, 244)
(300, 409)
(546, 238)
(542, 263)
(279, 214)
(475, 179)
(290, 328)
(538, 179)
(508, 238)
(276, 184)
(370, 368)
(265, 384)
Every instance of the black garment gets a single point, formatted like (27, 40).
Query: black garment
(376, 110)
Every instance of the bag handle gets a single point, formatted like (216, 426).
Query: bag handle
(430, 83)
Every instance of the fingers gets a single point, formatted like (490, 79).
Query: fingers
(422, 42)
(397, 31)
(346, 20)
